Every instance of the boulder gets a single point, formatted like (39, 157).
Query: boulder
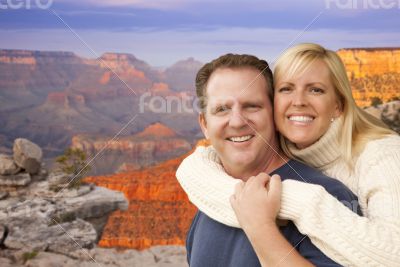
(36, 207)
(7, 165)
(3, 195)
(3, 234)
(94, 207)
(20, 179)
(39, 235)
(169, 256)
(40, 176)
(4, 262)
(27, 155)
(47, 259)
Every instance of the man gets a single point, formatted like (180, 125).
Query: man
(235, 93)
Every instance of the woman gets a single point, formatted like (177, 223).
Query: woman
(320, 125)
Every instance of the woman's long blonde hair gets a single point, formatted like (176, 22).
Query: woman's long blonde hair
(359, 127)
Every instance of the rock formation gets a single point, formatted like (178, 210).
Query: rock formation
(27, 155)
(159, 212)
(362, 62)
(389, 113)
(154, 144)
(373, 72)
(181, 75)
(49, 97)
(43, 227)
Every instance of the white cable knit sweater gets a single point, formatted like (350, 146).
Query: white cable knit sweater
(345, 237)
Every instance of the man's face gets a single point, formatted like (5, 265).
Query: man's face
(238, 120)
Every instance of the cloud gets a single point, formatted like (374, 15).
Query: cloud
(152, 4)
(165, 47)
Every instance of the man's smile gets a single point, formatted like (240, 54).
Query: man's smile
(240, 139)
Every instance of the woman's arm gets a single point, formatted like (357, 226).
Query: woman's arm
(341, 234)
(207, 185)
(373, 240)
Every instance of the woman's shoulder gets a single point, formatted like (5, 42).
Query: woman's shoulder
(385, 142)
(378, 149)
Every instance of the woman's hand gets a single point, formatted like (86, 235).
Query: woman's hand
(257, 201)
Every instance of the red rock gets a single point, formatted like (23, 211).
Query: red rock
(57, 98)
(159, 212)
(373, 72)
(157, 130)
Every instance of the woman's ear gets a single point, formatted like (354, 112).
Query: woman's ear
(203, 124)
(338, 108)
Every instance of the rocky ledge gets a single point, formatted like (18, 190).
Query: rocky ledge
(43, 222)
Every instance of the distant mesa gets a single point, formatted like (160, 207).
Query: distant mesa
(105, 78)
(159, 88)
(181, 75)
(361, 62)
(57, 98)
(28, 57)
(119, 61)
(373, 72)
(371, 48)
(157, 130)
(65, 99)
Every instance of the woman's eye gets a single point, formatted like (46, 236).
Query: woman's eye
(316, 90)
(284, 90)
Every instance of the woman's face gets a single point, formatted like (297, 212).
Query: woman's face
(305, 105)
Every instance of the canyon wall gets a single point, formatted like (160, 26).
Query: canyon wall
(373, 72)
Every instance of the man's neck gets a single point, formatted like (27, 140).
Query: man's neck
(271, 163)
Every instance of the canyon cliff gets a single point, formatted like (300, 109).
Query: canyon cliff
(159, 212)
(373, 72)
(156, 143)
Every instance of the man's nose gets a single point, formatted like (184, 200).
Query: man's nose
(237, 118)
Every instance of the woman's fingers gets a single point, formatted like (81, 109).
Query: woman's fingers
(275, 187)
(239, 187)
(260, 180)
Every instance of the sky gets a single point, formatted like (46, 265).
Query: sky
(162, 32)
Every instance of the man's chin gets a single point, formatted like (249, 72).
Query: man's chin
(237, 164)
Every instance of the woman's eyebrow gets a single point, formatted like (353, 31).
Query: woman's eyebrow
(315, 83)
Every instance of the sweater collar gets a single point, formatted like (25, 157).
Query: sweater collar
(325, 151)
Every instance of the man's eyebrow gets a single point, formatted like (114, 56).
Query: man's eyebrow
(253, 102)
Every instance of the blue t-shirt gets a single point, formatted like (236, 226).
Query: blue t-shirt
(212, 244)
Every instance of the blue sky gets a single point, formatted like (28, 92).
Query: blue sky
(162, 32)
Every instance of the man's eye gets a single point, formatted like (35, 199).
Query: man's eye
(252, 107)
(221, 109)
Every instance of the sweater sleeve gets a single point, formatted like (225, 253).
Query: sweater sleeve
(352, 240)
(344, 236)
(207, 185)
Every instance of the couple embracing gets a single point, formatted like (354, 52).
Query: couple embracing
(296, 174)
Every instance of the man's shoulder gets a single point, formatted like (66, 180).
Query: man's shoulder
(297, 170)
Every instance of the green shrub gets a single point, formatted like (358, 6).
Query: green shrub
(376, 101)
(73, 161)
(29, 255)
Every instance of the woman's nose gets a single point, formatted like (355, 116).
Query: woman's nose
(299, 99)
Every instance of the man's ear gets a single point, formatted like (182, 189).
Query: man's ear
(203, 124)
